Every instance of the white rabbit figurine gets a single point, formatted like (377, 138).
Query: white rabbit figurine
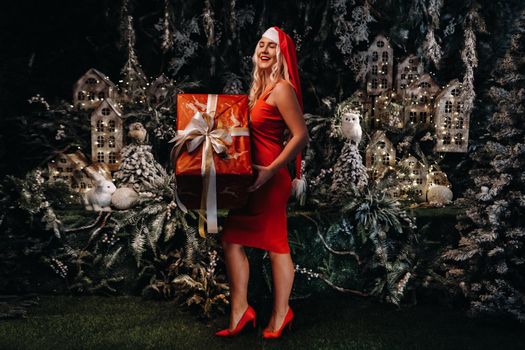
(99, 198)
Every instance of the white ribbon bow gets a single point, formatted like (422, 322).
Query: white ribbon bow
(201, 130)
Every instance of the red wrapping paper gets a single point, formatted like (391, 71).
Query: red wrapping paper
(234, 169)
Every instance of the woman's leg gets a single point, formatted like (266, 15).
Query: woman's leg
(238, 270)
(283, 275)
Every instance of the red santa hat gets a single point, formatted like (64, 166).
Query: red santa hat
(288, 51)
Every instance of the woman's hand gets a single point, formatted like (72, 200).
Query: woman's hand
(264, 173)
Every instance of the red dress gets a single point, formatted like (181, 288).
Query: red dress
(261, 223)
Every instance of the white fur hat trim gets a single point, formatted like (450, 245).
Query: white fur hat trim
(272, 34)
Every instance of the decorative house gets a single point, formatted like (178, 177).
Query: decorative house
(106, 134)
(413, 178)
(419, 98)
(437, 177)
(380, 154)
(380, 66)
(160, 91)
(408, 71)
(68, 167)
(452, 124)
(92, 88)
(389, 110)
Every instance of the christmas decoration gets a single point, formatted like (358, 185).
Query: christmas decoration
(216, 174)
(439, 195)
(68, 167)
(139, 169)
(137, 133)
(349, 170)
(351, 128)
(92, 88)
(452, 123)
(124, 198)
(419, 99)
(486, 264)
(380, 154)
(132, 86)
(412, 178)
(380, 66)
(99, 197)
(106, 134)
(408, 71)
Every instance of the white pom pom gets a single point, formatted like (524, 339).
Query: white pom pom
(299, 189)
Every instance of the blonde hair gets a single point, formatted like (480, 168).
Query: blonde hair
(261, 82)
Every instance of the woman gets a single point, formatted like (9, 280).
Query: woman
(276, 104)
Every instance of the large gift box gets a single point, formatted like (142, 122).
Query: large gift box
(211, 155)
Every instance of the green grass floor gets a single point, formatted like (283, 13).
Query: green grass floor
(95, 322)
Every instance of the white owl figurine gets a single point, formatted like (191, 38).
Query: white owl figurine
(351, 128)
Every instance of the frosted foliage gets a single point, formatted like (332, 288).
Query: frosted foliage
(469, 55)
(184, 47)
(209, 24)
(349, 170)
(350, 32)
(139, 169)
(432, 49)
(434, 10)
(167, 43)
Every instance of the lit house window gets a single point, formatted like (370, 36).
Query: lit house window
(111, 126)
(459, 123)
(112, 159)
(100, 141)
(447, 123)
(100, 126)
(386, 159)
(448, 107)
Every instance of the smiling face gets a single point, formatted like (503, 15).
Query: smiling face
(266, 53)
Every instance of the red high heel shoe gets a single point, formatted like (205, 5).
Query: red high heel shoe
(287, 320)
(249, 315)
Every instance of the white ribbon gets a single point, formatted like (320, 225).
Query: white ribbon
(201, 130)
